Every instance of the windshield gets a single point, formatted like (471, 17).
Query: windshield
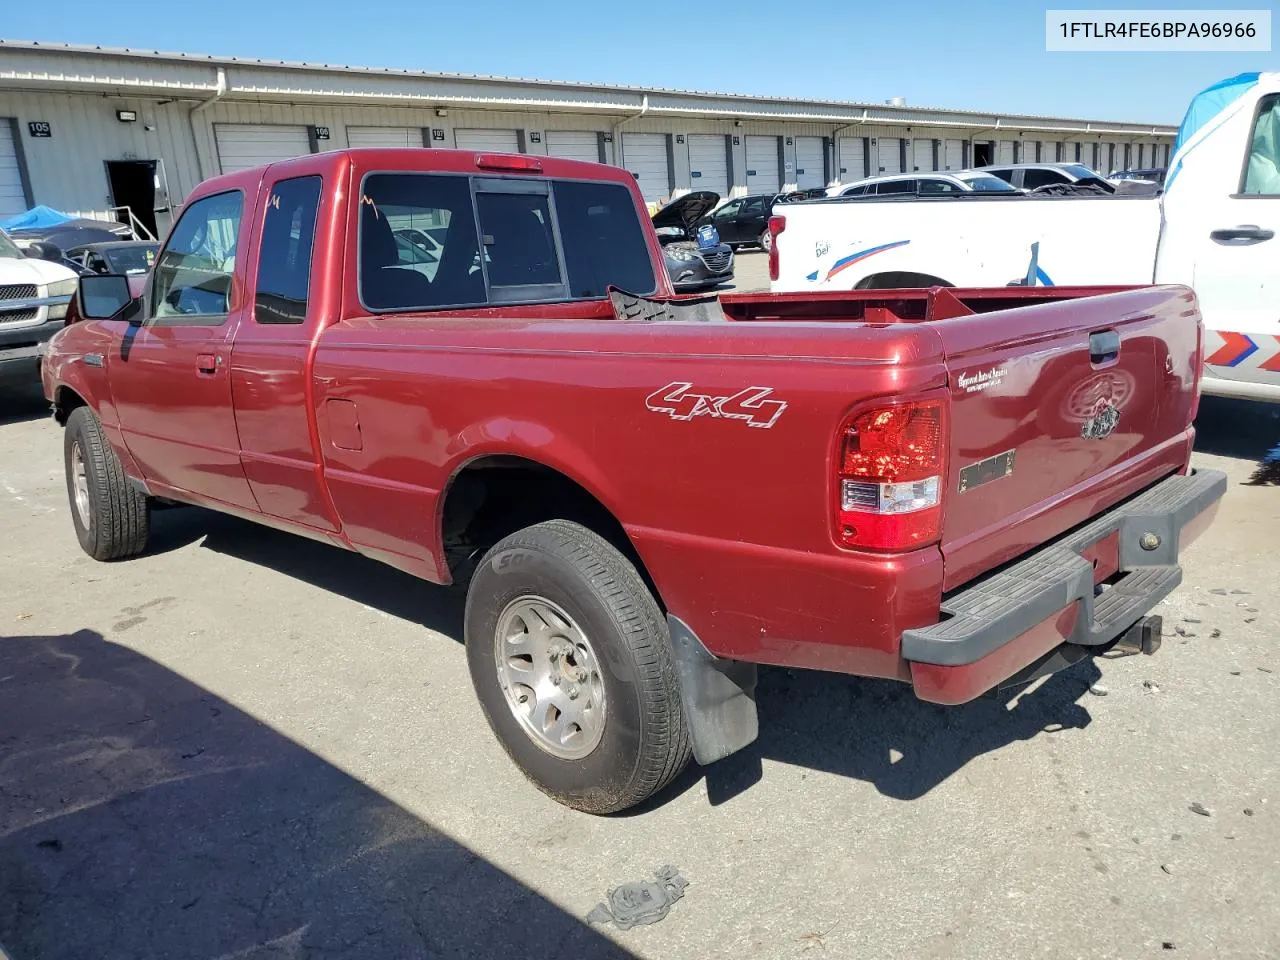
(7, 247)
(985, 183)
(129, 260)
(1078, 170)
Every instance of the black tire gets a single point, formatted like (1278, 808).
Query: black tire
(645, 741)
(118, 515)
(765, 240)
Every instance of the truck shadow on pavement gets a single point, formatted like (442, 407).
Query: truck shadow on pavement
(872, 730)
(1244, 429)
(142, 816)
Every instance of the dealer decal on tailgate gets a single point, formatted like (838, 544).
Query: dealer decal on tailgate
(677, 401)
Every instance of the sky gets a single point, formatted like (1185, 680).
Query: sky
(973, 56)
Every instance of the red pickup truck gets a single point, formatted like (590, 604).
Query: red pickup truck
(472, 367)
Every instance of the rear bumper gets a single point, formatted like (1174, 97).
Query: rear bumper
(997, 626)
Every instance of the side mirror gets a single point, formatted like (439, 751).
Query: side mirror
(44, 250)
(102, 296)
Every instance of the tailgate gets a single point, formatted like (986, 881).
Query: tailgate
(1059, 411)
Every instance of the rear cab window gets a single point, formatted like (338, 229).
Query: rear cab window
(440, 241)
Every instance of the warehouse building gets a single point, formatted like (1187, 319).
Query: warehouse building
(91, 130)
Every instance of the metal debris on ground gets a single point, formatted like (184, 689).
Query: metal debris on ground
(1098, 690)
(1166, 868)
(1219, 591)
(1248, 811)
(1151, 686)
(1201, 809)
(1216, 633)
(1182, 631)
(640, 901)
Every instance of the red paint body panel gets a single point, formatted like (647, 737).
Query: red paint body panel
(350, 427)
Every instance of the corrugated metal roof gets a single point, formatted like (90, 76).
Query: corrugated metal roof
(736, 103)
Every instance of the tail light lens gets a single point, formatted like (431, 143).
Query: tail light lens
(890, 475)
(776, 226)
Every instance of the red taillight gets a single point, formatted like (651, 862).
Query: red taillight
(508, 161)
(889, 476)
(776, 226)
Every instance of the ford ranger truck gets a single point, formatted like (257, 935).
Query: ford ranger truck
(472, 367)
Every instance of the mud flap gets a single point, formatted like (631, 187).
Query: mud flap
(719, 696)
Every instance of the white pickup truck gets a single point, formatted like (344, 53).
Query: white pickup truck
(33, 302)
(1212, 229)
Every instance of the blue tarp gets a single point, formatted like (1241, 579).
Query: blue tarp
(37, 217)
(1210, 102)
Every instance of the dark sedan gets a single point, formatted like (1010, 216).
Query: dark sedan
(694, 255)
(124, 257)
(745, 220)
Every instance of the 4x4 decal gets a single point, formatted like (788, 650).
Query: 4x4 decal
(676, 400)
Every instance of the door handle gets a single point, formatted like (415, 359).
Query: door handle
(207, 363)
(1242, 235)
(1104, 346)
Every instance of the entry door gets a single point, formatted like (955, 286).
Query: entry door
(1237, 245)
(170, 377)
(133, 185)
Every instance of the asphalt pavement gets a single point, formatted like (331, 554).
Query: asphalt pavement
(248, 745)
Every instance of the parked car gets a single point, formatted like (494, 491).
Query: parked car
(1030, 176)
(642, 499)
(1149, 174)
(809, 193)
(125, 257)
(923, 184)
(744, 221)
(34, 294)
(1215, 224)
(692, 262)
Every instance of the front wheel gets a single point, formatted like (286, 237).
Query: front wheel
(571, 660)
(765, 241)
(111, 518)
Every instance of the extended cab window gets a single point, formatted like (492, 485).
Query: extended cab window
(418, 243)
(1262, 174)
(284, 262)
(519, 243)
(193, 277)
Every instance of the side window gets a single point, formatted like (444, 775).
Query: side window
(1262, 172)
(896, 186)
(604, 244)
(1041, 178)
(1004, 173)
(193, 276)
(284, 262)
(519, 245)
(728, 211)
(754, 207)
(933, 188)
(418, 243)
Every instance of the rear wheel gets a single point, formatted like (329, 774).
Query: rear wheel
(765, 241)
(111, 518)
(570, 658)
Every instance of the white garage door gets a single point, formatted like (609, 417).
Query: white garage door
(384, 136)
(574, 145)
(853, 162)
(921, 155)
(495, 141)
(952, 154)
(245, 145)
(645, 155)
(762, 165)
(708, 163)
(12, 199)
(1004, 152)
(888, 156)
(810, 170)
